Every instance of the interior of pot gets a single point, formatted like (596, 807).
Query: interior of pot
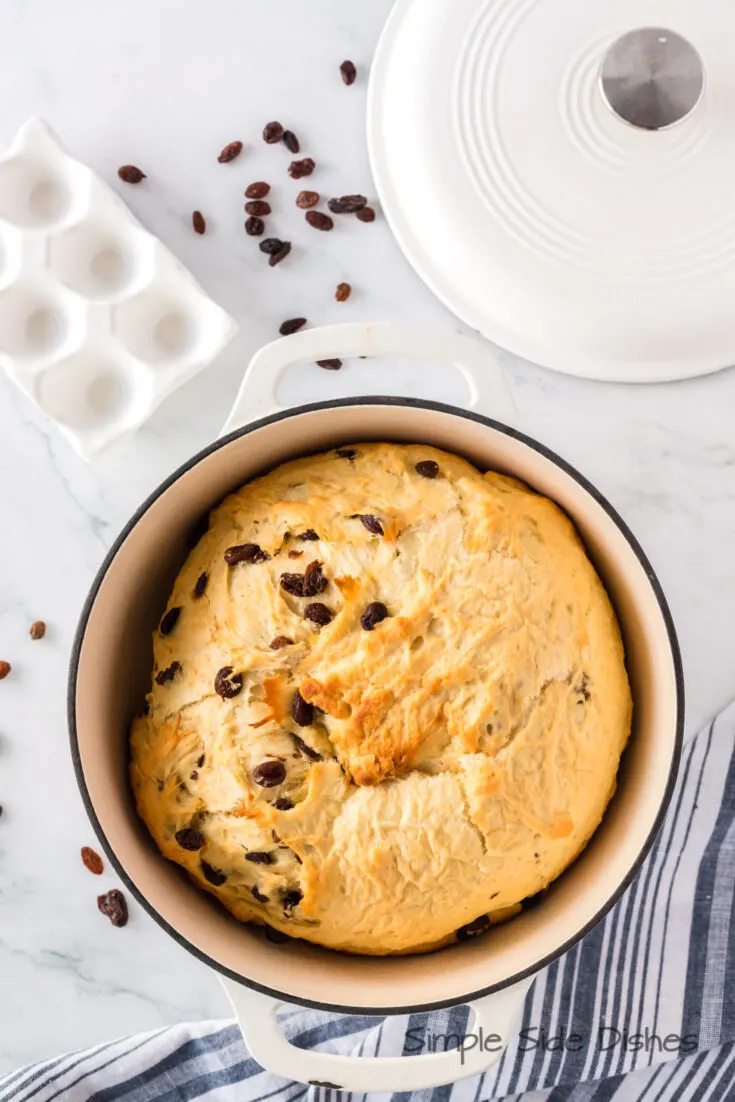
(113, 666)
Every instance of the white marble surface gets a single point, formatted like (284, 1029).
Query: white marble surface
(165, 85)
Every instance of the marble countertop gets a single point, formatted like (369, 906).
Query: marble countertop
(165, 87)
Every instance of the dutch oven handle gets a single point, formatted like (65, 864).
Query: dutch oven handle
(475, 360)
(495, 1019)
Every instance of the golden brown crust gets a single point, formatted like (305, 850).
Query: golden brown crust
(456, 753)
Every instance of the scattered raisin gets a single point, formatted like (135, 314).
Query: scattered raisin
(258, 190)
(269, 773)
(307, 199)
(169, 621)
(295, 554)
(280, 255)
(329, 365)
(201, 585)
(293, 584)
(245, 552)
(293, 325)
(372, 524)
(305, 749)
(131, 174)
(343, 292)
(258, 208)
(314, 580)
(298, 169)
(347, 204)
(254, 227)
(37, 630)
(291, 142)
(214, 876)
(197, 221)
(319, 220)
(282, 804)
(318, 614)
(582, 688)
(113, 905)
(234, 149)
(200, 761)
(92, 860)
(272, 132)
(302, 712)
(348, 71)
(275, 935)
(260, 858)
(227, 684)
(373, 615)
(194, 775)
(427, 468)
(164, 676)
(258, 895)
(473, 929)
(367, 214)
(292, 899)
(309, 534)
(346, 453)
(281, 641)
(189, 839)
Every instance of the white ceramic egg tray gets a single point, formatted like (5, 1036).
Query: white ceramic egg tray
(99, 322)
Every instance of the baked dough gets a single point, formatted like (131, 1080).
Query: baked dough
(414, 769)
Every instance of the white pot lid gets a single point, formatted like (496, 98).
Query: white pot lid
(538, 214)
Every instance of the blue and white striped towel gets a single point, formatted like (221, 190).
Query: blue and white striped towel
(661, 966)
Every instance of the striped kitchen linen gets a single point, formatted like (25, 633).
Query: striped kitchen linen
(643, 1008)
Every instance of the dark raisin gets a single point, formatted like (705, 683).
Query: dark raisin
(319, 220)
(214, 876)
(302, 712)
(298, 169)
(293, 584)
(92, 861)
(164, 676)
(473, 929)
(254, 227)
(169, 621)
(329, 365)
(201, 585)
(271, 245)
(194, 775)
(260, 858)
(305, 749)
(245, 552)
(269, 773)
(582, 688)
(282, 804)
(291, 142)
(292, 899)
(346, 453)
(232, 150)
(343, 292)
(292, 325)
(272, 132)
(37, 630)
(347, 204)
(276, 837)
(427, 468)
(318, 614)
(281, 641)
(282, 253)
(307, 199)
(131, 174)
(295, 554)
(367, 214)
(197, 531)
(113, 905)
(275, 935)
(258, 895)
(309, 534)
(189, 839)
(258, 190)
(197, 221)
(227, 684)
(200, 760)
(314, 580)
(348, 71)
(373, 615)
(145, 709)
(535, 900)
(371, 523)
(258, 208)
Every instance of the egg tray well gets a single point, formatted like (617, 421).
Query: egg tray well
(99, 322)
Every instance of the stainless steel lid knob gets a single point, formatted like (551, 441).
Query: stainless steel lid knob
(652, 78)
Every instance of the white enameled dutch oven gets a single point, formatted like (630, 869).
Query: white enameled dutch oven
(111, 668)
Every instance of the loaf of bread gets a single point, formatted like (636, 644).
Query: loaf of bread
(388, 703)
